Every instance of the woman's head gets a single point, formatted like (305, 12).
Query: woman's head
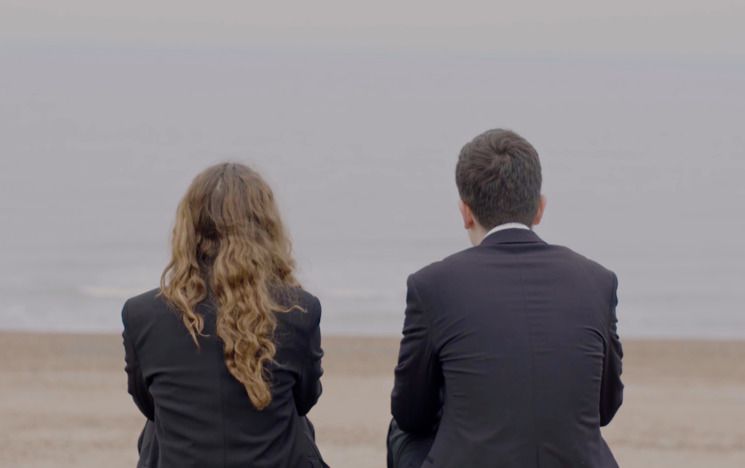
(229, 242)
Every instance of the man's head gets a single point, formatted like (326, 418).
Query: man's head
(499, 181)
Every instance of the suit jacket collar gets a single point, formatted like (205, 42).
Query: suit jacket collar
(512, 236)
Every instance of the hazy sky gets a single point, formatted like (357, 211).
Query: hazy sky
(109, 108)
(712, 28)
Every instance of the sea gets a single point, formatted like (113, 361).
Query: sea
(643, 161)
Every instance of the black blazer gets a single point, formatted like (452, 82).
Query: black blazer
(201, 414)
(510, 352)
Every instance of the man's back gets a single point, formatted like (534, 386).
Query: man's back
(512, 346)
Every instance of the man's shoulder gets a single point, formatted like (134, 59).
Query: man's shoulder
(461, 261)
(446, 266)
(588, 264)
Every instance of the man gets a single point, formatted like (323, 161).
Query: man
(510, 356)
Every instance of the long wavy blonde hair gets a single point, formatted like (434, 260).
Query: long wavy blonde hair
(229, 244)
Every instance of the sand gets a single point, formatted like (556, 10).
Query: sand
(63, 403)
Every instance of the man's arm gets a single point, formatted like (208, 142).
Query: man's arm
(415, 401)
(135, 381)
(611, 391)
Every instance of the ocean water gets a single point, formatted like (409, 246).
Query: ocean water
(644, 169)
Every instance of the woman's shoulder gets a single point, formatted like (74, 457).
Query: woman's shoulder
(144, 299)
(298, 332)
(141, 306)
(301, 309)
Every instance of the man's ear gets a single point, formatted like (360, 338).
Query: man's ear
(465, 211)
(541, 209)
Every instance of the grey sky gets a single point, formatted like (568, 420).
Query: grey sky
(638, 27)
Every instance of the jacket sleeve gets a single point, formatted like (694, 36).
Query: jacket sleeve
(308, 388)
(136, 385)
(415, 400)
(611, 391)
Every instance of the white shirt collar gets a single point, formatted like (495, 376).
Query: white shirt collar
(504, 226)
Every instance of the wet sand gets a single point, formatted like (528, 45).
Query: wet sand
(63, 403)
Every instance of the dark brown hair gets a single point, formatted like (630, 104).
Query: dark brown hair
(499, 177)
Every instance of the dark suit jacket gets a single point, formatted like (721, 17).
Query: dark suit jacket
(511, 348)
(201, 414)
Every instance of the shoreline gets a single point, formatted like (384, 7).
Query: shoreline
(63, 402)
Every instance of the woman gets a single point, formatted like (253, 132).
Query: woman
(224, 359)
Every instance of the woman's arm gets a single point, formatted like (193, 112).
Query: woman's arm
(136, 385)
(611, 390)
(308, 389)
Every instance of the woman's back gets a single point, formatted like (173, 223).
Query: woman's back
(224, 358)
(202, 414)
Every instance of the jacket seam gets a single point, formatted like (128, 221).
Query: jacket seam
(532, 367)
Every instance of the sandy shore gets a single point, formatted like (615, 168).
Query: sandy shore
(63, 403)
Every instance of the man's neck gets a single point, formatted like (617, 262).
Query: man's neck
(502, 227)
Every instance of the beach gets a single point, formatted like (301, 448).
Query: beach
(63, 403)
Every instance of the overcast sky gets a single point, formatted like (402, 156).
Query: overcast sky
(712, 28)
